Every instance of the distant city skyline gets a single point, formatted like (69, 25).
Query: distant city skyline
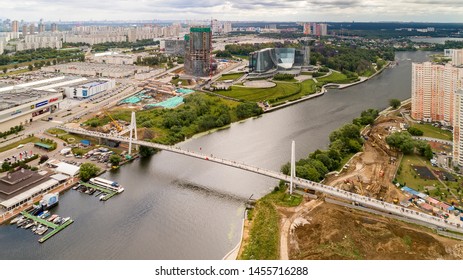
(262, 10)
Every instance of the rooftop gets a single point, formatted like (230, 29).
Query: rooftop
(19, 181)
(22, 96)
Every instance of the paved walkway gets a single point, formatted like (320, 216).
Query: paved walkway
(328, 190)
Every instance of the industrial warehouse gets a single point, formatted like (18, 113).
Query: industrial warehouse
(23, 106)
(96, 69)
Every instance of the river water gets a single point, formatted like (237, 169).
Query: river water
(176, 207)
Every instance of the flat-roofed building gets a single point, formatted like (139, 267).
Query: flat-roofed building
(21, 106)
(89, 89)
(96, 69)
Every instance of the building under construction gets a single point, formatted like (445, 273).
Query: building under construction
(198, 46)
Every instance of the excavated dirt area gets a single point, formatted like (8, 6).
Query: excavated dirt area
(371, 172)
(334, 232)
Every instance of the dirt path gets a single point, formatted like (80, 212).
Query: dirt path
(289, 223)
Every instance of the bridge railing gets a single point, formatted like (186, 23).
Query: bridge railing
(335, 192)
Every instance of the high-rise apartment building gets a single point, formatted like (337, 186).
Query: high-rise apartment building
(41, 27)
(307, 28)
(32, 29)
(24, 30)
(227, 27)
(457, 57)
(54, 27)
(458, 129)
(15, 26)
(433, 91)
(198, 46)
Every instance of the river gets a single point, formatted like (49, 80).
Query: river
(437, 40)
(175, 207)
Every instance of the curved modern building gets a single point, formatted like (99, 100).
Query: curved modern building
(278, 59)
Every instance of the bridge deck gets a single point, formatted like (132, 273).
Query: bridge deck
(334, 192)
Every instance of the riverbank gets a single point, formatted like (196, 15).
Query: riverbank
(324, 90)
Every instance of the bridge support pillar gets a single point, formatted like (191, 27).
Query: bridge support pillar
(293, 166)
(133, 132)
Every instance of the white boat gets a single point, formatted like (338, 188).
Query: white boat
(29, 225)
(43, 231)
(66, 219)
(15, 220)
(56, 219)
(107, 184)
(75, 187)
(102, 196)
(54, 216)
(44, 214)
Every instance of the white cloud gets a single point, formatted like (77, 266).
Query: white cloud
(268, 10)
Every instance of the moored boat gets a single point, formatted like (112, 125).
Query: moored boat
(54, 216)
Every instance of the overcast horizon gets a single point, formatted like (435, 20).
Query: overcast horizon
(446, 11)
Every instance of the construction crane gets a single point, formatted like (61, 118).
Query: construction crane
(114, 122)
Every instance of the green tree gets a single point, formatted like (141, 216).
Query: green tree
(394, 103)
(5, 70)
(146, 151)
(30, 67)
(115, 159)
(415, 131)
(88, 170)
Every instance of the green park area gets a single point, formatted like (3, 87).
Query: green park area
(200, 112)
(234, 76)
(281, 92)
(264, 234)
(413, 174)
(434, 132)
(337, 78)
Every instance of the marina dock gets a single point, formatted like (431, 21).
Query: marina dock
(108, 195)
(55, 228)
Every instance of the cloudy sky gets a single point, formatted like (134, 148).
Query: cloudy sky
(261, 10)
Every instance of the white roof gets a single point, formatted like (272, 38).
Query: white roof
(29, 193)
(68, 169)
(59, 177)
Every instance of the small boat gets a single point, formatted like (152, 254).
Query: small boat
(120, 190)
(42, 231)
(54, 216)
(102, 196)
(75, 187)
(21, 222)
(29, 225)
(98, 193)
(45, 215)
(25, 223)
(15, 220)
(56, 219)
(34, 228)
(65, 220)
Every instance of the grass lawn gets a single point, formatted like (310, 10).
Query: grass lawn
(283, 91)
(234, 76)
(409, 177)
(15, 144)
(335, 77)
(262, 94)
(434, 132)
(264, 234)
(176, 81)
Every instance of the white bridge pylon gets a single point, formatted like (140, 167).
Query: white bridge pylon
(133, 132)
(293, 167)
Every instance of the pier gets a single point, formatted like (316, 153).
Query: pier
(55, 228)
(108, 193)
